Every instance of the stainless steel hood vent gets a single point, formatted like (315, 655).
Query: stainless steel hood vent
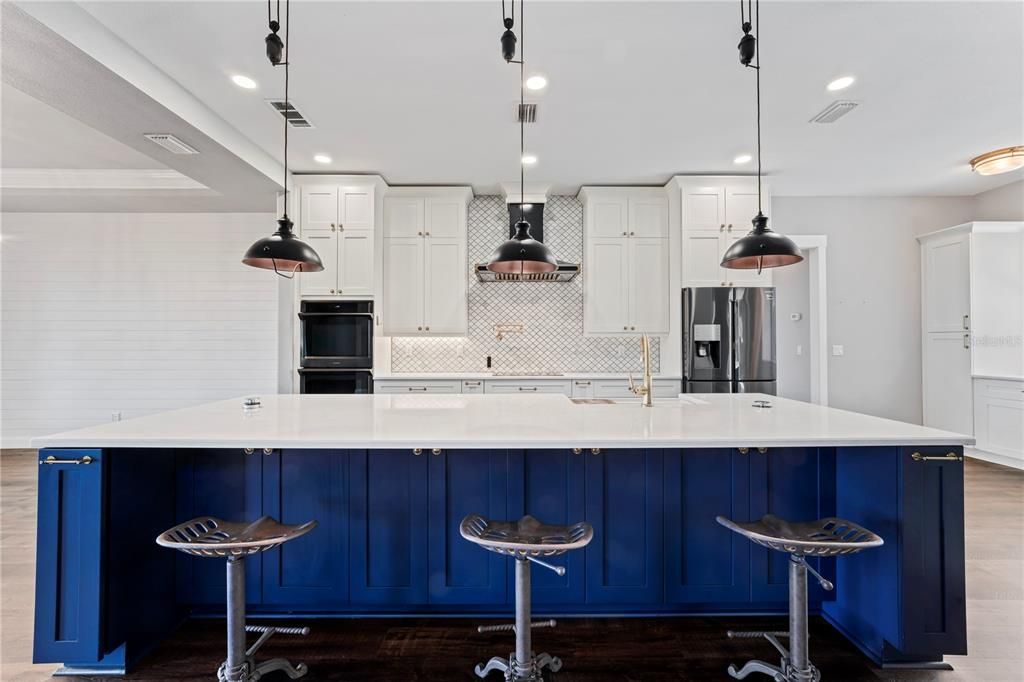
(534, 214)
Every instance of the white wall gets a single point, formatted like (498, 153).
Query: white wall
(874, 291)
(1001, 203)
(793, 295)
(137, 313)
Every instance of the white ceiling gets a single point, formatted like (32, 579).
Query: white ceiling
(418, 92)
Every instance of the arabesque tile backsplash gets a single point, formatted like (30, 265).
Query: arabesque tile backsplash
(552, 340)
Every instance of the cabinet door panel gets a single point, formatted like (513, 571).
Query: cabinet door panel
(948, 402)
(301, 486)
(703, 208)
(947, 283)
(355, 263)
(740, 209)
(702, 255)
(388, 526)
(445, 295)
(464, 482)
(649, 286)
(706, 562)
(648, 217)
(403, 217)
(403, 276)
(445, 218)
(624, 498)
(606, 286)
(319, 208)
(325, 282)
(356, 208)
(607, 218)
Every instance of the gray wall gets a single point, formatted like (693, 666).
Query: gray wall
(1001, 203)
(792, 287)
(874, 291)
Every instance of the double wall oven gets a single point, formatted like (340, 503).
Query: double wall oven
(336, 353)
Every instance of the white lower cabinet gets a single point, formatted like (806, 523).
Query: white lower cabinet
(999, 417)
(947, 382)
(417, 386)
(618, 389)
(472, 386)
(562, 386)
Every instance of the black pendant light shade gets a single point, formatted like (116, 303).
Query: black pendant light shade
(522, 254)
(283, 252)
(761, 248)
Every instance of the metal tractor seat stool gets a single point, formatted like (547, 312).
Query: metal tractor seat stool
(526, 540)
(822, 538)
(210, 537)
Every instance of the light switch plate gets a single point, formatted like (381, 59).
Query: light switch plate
(837, 350)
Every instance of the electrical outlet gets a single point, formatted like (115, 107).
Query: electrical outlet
(837, 351)
(115, 416)
(799, 350)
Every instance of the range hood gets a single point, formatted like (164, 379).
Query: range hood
(534, 214)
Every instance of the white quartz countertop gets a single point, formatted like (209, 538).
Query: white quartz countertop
(497, 421)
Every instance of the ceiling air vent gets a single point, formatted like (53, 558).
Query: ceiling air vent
(170, 143)
(835, 111)
(288, 110)
(526, 113)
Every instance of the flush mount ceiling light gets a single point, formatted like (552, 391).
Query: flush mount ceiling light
(522, 254)
(536, 83)
(840, 83)
(742, 159)
(999, 161)
(243, 81)
(322, 158)
(282, 252)
(529, 159)
(761, 247)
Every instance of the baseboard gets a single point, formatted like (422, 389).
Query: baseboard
(995, 458)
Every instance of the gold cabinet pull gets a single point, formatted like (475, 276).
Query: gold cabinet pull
(50, 459)
(948, 457)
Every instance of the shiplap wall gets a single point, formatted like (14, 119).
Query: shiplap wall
(132, 313)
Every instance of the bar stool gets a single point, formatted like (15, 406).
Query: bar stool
(210, 537)
(822, 538)
(526, 540)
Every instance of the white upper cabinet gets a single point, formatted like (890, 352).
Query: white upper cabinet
(626, 264)
(947, 281)
(716, 212)
(338, 222)
(426, 270)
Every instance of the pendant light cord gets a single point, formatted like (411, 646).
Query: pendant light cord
(757, 57)
(287, 103)
(522, 108)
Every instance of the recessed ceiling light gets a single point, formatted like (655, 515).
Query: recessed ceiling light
(529, 159)
(742, 158)
(243, 81)
(536, 82)
(840, 83)
(322, 158)
(999, 161)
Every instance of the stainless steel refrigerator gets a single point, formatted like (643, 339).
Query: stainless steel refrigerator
(729, 340)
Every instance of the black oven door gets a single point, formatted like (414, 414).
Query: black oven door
(334, 381)
(336, 335)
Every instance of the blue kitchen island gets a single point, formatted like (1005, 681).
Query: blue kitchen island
(390, 477)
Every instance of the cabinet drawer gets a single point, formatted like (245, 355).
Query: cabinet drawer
(1004, 389)
(619, 388)
(473, 386)
(527, 387)
(443, 386)
(582, 388)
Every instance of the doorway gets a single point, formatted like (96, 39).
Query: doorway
(802, 323)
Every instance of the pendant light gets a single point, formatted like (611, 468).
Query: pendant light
(761, 248)
(522, 254)
(282, 252)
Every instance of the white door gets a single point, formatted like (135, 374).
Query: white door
(445, 292)
(702, 254)
(607, 217)
(325, 282)
(743, 278)
(319, 208)
(649, 287)
(947, 283)
(403, 288)
(444, 218)
(356, 208)
(403, 217)
(703, 208)
(947, 380)
(355, 262)
(648, 217)
(606, 286)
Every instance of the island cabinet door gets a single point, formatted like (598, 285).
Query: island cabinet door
(549, 485)
(301, 486)
(464, 482)
(624, 504)
(388, 527)
(932, 552)
(69, 556)
(796, 484)
(704, 561)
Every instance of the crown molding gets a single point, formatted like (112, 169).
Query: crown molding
(97, 179)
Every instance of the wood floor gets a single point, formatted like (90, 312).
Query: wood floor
(593, 650)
